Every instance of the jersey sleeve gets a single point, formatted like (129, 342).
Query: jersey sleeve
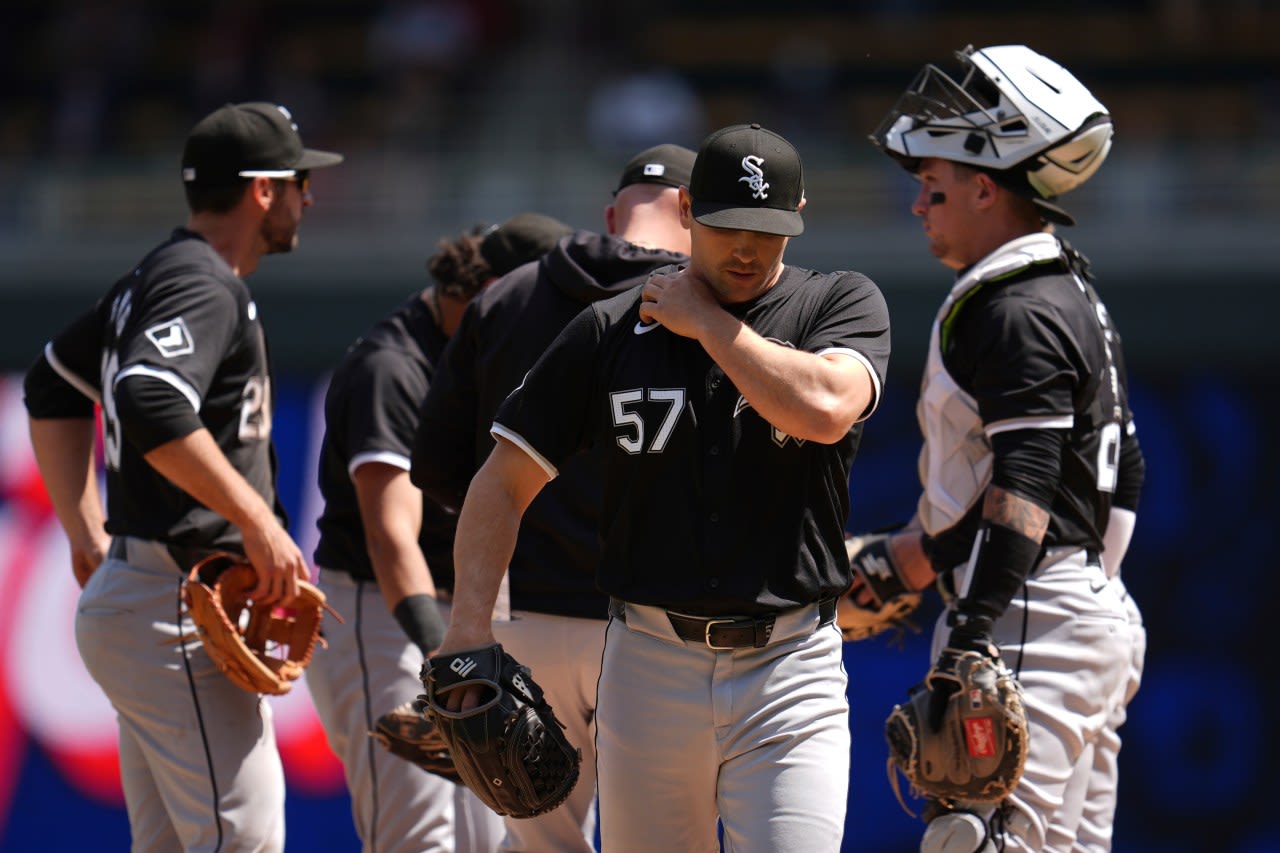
(1026, 369)
(179, 334)
(854, 320)
(379, 393)
(444, 451)
(65, 380)
(547, 414)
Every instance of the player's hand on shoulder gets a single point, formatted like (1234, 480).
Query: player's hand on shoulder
(278, 561)
(676, 300)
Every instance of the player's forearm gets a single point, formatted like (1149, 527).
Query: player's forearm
(391, 513)
(804, 395)
(406, 585)
(195, 464)
(487, 527)
(907, 550)
(1020, 515)
(486, 538)
(400, 569)
(64, 454)
(1008, 546)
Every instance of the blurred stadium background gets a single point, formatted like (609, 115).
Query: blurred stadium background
(454, 112)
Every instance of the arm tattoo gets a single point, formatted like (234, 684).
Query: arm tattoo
(1018, 514)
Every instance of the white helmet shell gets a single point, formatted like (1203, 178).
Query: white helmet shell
(1015, 111)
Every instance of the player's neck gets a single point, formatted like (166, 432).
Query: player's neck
(231, 237)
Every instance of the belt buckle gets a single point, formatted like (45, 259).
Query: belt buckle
(706, 634)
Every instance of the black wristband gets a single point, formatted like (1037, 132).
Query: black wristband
(970, 633)
(1005, 558)
(419, 618)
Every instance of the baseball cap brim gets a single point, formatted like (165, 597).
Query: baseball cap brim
(313, 159)
(767, 220)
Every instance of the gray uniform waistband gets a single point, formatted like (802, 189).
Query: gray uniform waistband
(156, 555)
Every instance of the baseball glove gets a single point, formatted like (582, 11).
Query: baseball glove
(265, 651)
(510, 749)
(962, 736)
(891, 601)
(407, 732)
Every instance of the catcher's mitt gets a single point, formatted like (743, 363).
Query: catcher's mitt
(265, 652)
(962, 736)
(891, 601)
(407, 732)
(510, 749)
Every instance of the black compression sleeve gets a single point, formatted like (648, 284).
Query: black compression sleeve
(152, 412)
(1004, 560)
(419, 618)
(1133, 470)
(48, 395)
(1028, 462)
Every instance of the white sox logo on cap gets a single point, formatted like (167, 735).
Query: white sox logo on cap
(729, 188)
(755, 176)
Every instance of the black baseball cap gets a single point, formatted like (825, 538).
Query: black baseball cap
(522, 238)
(668, 164)
(748, 178)
(249, 140)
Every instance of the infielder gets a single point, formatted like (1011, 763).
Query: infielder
(724, 394)
(1030, 464)
(176, 356)
(384, 553)
(558, 615)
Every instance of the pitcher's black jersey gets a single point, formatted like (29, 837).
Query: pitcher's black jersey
(184, 318)
(371, 415)
(707, 508)
(1022, 342)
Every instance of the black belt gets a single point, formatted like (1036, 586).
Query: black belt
(728, 632)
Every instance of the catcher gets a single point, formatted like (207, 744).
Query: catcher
(1029, 453)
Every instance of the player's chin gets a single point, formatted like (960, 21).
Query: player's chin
(282, 245)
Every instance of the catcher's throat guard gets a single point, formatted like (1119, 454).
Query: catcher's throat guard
(261, 648)
(510, 749)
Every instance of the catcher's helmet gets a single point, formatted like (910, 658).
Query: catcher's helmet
(1015, 113)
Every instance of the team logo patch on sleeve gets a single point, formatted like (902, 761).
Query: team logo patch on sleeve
(172, 338)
